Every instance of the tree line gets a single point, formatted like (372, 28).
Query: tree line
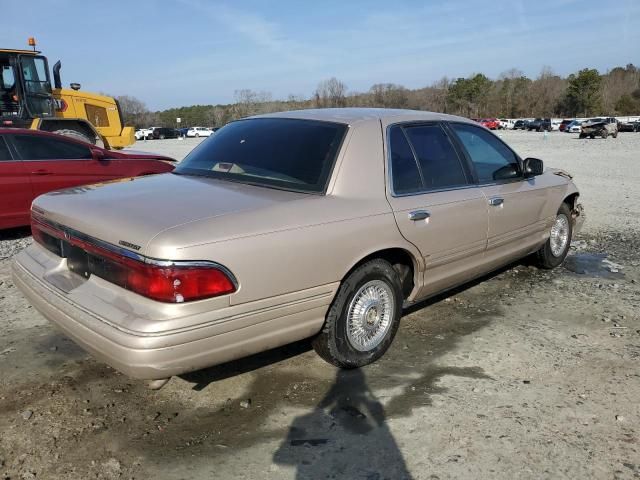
(513, 95)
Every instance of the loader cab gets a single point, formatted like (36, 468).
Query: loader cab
(25, 87)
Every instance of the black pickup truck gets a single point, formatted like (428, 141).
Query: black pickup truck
(540, 124)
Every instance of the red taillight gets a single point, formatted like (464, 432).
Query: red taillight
(164, 281)
(176, 283)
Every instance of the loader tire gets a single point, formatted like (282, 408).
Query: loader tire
(75, 134)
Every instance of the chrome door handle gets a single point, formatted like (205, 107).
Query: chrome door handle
(496, 201)
(417, 215)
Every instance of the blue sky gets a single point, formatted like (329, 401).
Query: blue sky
(183, 52)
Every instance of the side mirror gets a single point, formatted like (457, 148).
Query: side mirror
(532, 167)
(97, 154)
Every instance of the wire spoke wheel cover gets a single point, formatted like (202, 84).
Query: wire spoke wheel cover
(370, 315)
(559, 235)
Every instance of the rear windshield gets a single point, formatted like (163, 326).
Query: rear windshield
(291, 154)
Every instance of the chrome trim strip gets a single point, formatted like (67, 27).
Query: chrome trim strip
(158, 262)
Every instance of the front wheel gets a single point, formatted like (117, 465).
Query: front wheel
(555, 249)
(363, 318)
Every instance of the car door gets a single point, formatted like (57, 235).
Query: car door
(55, 162)
(15, 189)
(435, 204)
(515, 203)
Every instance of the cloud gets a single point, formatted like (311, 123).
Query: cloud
(262, 33)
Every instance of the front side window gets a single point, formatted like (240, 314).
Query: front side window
(492, 159)
(33, 147)
(291, 154)
(4, 150)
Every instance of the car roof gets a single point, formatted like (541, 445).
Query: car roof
(354, 115)
(110, 153)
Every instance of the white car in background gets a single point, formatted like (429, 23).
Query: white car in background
(506, 123)
(199, 132)
(143, 133)
(573, 127)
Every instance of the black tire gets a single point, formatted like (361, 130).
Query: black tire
(592, 136)
(197, 135)
(604, 133)
(545, 258)
(614, 135)
(333, 344)
(582, 135)
(76, 134)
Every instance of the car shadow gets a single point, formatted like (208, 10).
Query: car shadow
(15, 233)
(205, 377)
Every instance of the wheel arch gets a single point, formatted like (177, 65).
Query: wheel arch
(408, 264)
(79, 125)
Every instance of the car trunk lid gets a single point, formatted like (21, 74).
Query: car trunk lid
(131, 212)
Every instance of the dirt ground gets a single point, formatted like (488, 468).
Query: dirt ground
(524, 374)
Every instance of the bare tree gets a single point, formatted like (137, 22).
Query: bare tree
(331, 93)
(134, 111)
(389, 95)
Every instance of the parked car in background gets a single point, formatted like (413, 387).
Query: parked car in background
(199, 132)
(506, 123)
(599, 127)
(520, 125)
(140, 133)
(255, 248)
(33, 162)
(161, 133)
(564, 124)
(540, 124)
(490, 123)
(629, 126)
(573, 127)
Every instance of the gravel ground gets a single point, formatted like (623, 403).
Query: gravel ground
(524, 374)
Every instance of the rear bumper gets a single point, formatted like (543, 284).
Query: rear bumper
(151, 353)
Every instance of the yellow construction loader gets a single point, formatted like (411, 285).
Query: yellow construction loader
(27, 100)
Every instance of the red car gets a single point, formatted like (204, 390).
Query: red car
(490, 123)
(34, 162)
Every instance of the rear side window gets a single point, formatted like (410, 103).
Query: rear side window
(4, 150)
(422, 159)
(404, 168)
(439, 162)
(34, 147)
(492, 159)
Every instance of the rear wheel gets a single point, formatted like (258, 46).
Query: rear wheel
(363, 318)
(75, 134)
(555, 249)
